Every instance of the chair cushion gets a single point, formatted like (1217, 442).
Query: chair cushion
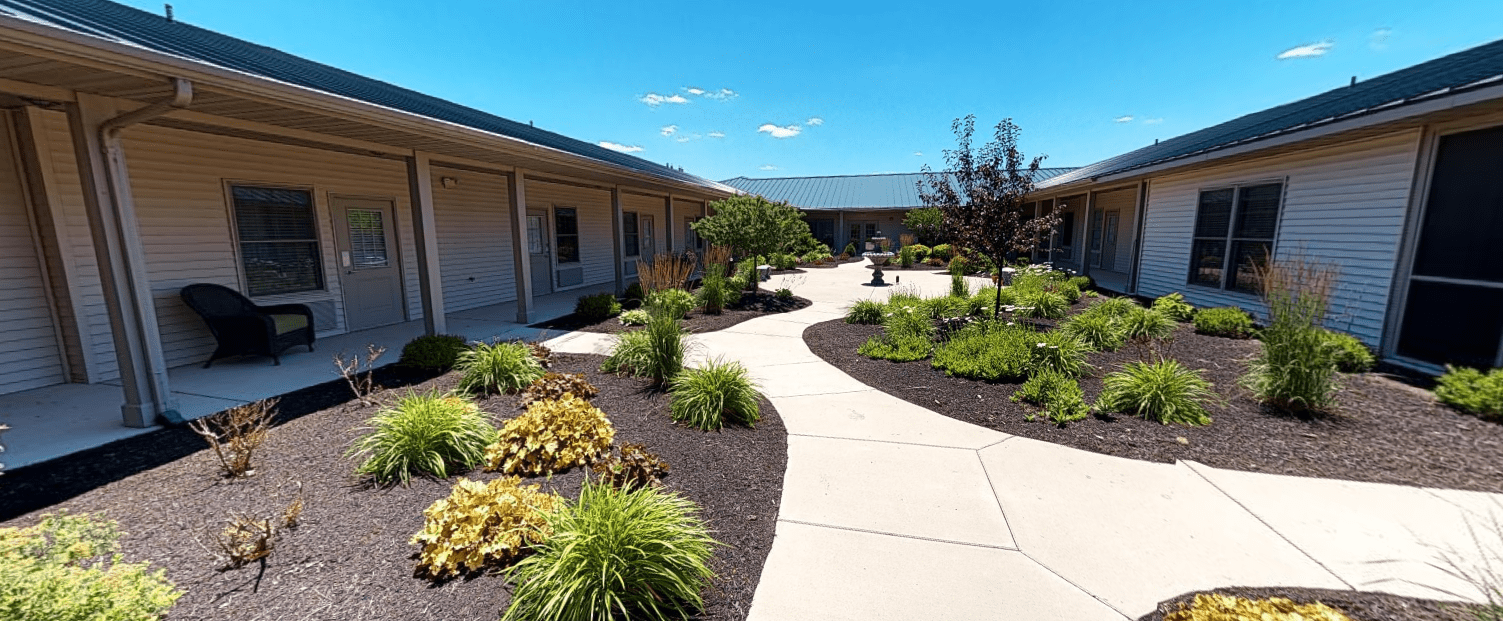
(289, 323)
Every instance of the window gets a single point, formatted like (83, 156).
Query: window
(1234, 230)
(1066, 234)
(566, 232)
(278, 240)
(629, 233)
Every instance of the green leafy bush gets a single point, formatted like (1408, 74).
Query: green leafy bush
(423, 432)
(1145, 324)
(906, 335)
(1164, 391)
(988, 350)
(819, 254)
(1058, 352)
(905, 256)
(942, 252)
(634, 292)
(1350, 354)
(1227, 321)
(920, 252)
(1041, 304)
(1111, 307)
(783, 293)
(709, 396)
(1098, 331)
(641, 553)
(481, 525)
(958, 286)
(944, 307)
(1473, 391)
(433, 351)
(1082, 283)
(746, 277)
(868, 312)
(1058, 393)
(550, 437)
(68, 568)
(635, 317)
(850, 249)
(497, 367)
(1069, 291)
(782, 261)
(959, 266)
(673, 302)
(1174, 307)
(655, 352)
(598, 307)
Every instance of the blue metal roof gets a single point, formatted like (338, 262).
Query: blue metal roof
(888, 191)
(1470, 69)
(123, 24)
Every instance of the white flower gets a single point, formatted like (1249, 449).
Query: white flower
(1041, 344)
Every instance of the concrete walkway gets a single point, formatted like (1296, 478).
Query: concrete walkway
(891, 511)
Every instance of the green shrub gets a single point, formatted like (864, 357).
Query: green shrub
(68, 568)
(634, 292)
(959, 266)
(640, 553)
(433, 351)
(1098, 331)
(942, 252)
(920, 252)
(714, 290)
(1082, 283)
(816, 255)
(783, 293)
(1473, 391)
(850, 249)
(1058, 352)
(423, 432)
(867, 312)
(709, 396)
(498, 367)
(1227, 321)
(746, 277)
(1041, 304)
(958, 286)
(906, 335)
(905, 256)
(782, 261)
(1174, 307)
(1145, 324)
(1112, 307)
(987, 350)
(1165, 391)
(598, 307)
(655, 352)
(1069, 291)
(1058, 393)
(1350, 354)
(635, 317)
(674, 302)
(945, 307)
(551, 437)
(481, 525)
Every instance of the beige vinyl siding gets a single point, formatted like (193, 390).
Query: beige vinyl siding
(29, 353)
(1344, 205)
(596, 241)
(474, 239)
(655, 206)
(1124, 202)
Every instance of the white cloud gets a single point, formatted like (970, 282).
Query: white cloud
(694, 91)
(1153, 121)
(614, 146)
(780, 132)
(655, 100)
(1379, 39)
(722, 94)
(717, 134)
(687, 137)
(1306, 51)
(668, 130)
(814, 120)
(1123, 119)
(918, 153)
(767, 167)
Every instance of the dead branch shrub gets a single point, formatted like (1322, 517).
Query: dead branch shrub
(717, 255)
(359, 372)
(665, 271)
(245, 540)
(235, 434)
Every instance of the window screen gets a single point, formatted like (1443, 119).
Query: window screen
(629, 233)
(1234, 231)
(566, 232)
(278, 240)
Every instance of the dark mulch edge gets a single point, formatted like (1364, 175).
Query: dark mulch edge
(1382, 431)
(1359, 605)
(350, 558)
(749, 307)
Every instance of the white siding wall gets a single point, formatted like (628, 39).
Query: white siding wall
(1124, 202)
(474, 239)
(30, 356)
(596, 254)
(1342, 204)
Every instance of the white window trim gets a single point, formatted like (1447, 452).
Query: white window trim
(320, 210)
(1231, 226)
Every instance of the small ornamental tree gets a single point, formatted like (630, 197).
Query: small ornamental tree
(928, 224)
(981, 196)
(752, 226)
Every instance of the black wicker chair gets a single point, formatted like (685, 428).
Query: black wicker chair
(242, 327)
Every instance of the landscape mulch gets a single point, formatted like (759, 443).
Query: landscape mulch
(1383, 430)
(350, 557)
(750, 306)
(1359, 605)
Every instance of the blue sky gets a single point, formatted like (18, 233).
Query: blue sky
(799, 89)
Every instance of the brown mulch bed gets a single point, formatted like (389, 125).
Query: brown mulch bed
(1382, 430)
(748, 307)
(350, 558)
(1359, 605)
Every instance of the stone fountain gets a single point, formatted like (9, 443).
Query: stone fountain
(877, 251)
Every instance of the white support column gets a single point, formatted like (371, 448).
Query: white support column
(618, 244)
(668, 227)
(516, 198)
(1085, 257)
(122, 263)
(839, 233)
(425, 233)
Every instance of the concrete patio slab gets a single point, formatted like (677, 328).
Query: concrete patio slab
(582, 343)
(775, 325)
(874, 415)
(804, 378)
(837, 575)
(1134, 533)
(900, 489)
(1377, 537)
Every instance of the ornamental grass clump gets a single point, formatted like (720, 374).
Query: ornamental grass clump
(1296, 369)
(1226, 321)
(551, 437)
(958, 287)
(907, 334)
(714, 290)
(1165, 391)
(1472, 391)
(423, 433)
(1041, 304)
(711, 395)
(641, 553)
(1175, 307)
(497, 367)
(868, 312)
(1059, 394)
(655, 352)
(433, 351)
(69, 568)
(482, 525)
(1100, 332)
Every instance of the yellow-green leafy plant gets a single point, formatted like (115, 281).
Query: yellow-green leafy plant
(635, 317)
(1471, 390)
(423, 432)
(481, 525)
(498, 367)
(1215, 607)
(556, 385)
(634, 467)
(1350, 353)
(69, 568)
(552, 436)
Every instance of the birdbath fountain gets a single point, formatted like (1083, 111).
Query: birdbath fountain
(877, 252)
